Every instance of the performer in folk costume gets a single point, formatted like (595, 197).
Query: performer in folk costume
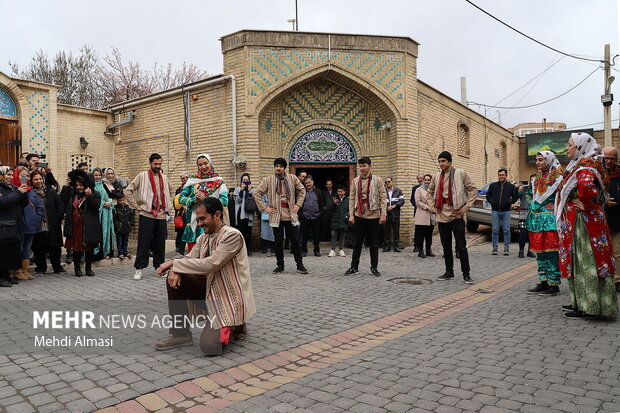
(205, 183)
(540, 222)
(586, 255)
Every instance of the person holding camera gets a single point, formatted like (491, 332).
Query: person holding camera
(34, 163)
(33, 215)
(12, 200)
(245, 208)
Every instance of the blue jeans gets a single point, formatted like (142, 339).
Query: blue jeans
(27, 246)
(121, 241)
(500, 218)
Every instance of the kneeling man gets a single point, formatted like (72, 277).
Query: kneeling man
(216, 273)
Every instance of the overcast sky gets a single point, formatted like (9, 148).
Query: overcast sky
(456, 40)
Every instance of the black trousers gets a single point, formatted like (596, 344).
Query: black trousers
(246, 230)
(446, 229)
(152, 235)
(308, 225)
(365, 229)
(292, 234)
(524, 236)
(392, 231)
(77, 258)
(179, 244)
(41, 247)
(425, 236)
(193, 287)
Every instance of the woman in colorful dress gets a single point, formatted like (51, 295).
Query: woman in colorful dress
(540, 223)
(586, 255)
(205, 183)
(106, 216)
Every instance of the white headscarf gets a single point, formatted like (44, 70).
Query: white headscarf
(552, 163)
(586, 148)
(204, 155)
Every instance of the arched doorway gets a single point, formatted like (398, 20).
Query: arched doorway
(10, 136)
(324, 154)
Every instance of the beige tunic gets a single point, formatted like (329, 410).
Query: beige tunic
(132, 194)
(268, 187)
(446, 214)
(223, 258)
(377, 205)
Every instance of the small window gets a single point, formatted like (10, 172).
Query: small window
(78, 159)
(463, 139)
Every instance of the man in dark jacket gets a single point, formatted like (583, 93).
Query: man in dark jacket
(310, 217)
(612, 209)
(395, 201)
(501, 195)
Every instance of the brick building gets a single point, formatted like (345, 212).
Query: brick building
(319, 100)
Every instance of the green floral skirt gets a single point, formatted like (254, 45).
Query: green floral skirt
(589, 293)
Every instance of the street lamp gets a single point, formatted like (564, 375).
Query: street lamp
(292, 21)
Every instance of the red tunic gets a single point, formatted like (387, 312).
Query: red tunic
(588, 191)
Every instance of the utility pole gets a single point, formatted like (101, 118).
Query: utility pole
(607, 98)
(296, 18)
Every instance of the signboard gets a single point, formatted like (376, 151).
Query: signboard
(550, 141)
(322, 146)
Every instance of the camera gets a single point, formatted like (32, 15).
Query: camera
(43, 165)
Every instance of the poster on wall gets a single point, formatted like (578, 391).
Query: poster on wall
(550, 141)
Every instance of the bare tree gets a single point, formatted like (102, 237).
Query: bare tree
(87, 81)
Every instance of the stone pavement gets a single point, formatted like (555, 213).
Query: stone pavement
(324, 342)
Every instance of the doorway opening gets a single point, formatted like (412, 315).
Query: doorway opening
(10, 142)
(340, 174)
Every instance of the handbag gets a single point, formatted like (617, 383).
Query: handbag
(178, 222)
(250, 205)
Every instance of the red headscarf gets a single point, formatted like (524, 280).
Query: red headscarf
(17, 180)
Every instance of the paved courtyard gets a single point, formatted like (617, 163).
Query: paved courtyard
(323, 342)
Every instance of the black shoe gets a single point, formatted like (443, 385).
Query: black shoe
(458, 255)
(89, 272)
(494, 252)
(396, 249)
(375, 272)
(5, 283)
(539, 288)
(421, 254)
(576, 314)
(550, 291)
(317, 253)
(386, 249)
(351, 271)
(13, 280)
(415, 249)
(78, 272)
(506, 251)
(301, 269)
(521, 255)
(467, 279)
(530, 254)
(249, 253)
(60, 271)
(429, 253)
(263, 251)
(278, 270)
(446, 276)
(568, 307)
(303, 254)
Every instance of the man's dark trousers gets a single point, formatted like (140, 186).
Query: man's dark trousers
(152, 234)
(392, 231)
(194, 288)
(368, 229)
(446, 229)
(308, 225)
(292, 234)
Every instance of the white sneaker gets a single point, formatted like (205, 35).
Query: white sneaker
(342, 254)
(178, 256)
(137, 275)
(332, 253)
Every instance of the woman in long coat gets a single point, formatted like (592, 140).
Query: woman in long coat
(82, 213)
(49, 240)
(33, 215)
(12, 200)
(106, 217)
(205, 183)
(424, 219)
(586, 256)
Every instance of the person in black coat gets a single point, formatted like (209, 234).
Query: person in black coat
(12, 202)
(49, 240)
(82, 212)
(501, 195)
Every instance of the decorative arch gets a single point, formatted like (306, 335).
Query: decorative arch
(322, 146)
(8, 86)
(381, 99)
(7, 105)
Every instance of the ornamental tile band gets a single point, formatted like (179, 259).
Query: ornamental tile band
(322, 145)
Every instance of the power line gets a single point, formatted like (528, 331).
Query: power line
(531, 38)
(589, 124)
(535, 104)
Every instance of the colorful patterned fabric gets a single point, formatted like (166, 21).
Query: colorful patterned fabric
(106, 216)
(213, 186)
(589, 292)
(546, 182)
(548, 267)
(588, 190)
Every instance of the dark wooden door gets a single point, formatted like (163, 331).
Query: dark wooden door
(10, 142)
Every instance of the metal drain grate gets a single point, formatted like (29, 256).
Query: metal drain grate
(410, 281)
(483, 291)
